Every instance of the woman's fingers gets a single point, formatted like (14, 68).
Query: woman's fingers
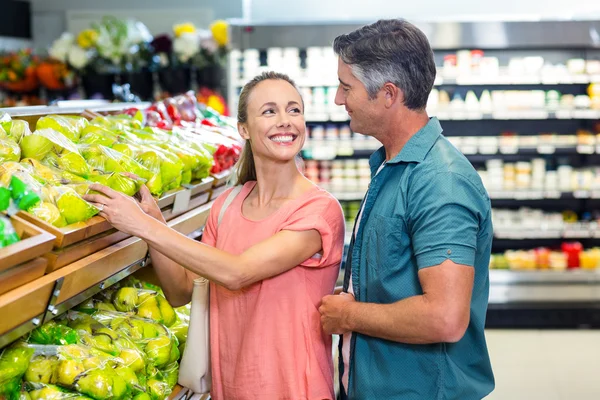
(96, 198)
(108, 192)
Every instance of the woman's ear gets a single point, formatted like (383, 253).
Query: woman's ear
(243, 131)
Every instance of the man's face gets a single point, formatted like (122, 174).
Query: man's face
(352, 94)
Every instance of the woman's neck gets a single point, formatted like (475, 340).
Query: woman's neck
(278, 181)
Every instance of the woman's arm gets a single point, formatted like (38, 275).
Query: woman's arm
(269, 258)
(176, 281)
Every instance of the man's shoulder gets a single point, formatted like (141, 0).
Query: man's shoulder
(443, 162)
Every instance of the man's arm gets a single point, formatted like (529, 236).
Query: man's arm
(440, 314)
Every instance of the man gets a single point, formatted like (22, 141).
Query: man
(416, 277)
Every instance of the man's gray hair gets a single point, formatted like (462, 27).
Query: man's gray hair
(394, 51)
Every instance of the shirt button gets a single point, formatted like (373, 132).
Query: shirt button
(449, 252)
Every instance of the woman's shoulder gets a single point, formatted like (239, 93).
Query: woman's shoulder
(318, 200)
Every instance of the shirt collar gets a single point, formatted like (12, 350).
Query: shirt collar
(415, 149)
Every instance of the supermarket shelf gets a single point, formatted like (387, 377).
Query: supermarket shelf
(331, 150)
(71, 108)
(544, 195)
(25, 308)
(576, 276)
(547, 234)
(478, 116)
(500, 80)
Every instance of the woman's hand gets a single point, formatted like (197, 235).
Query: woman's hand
(148, 204)
(123, 212)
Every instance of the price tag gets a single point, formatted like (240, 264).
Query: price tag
(459, 115)
(339, 117)
(324, 153)
(474, 115)
(182, 201)
(581, 194)
(546, 149)
(595, 194)
(509, 149)
(581, 78)
(469, 149)
(489, 149)
(345, 151)
(585, 114)
(443, 116)
(585, 149)
(552, 194)
(562, 114)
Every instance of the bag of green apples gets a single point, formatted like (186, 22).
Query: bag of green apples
(157, 342)
(14, 129)
(95, 334)
(72, 207)
(145, 303)
(42, 391)
(14, 361)
(81, 368)
(53, 333)
(68, 125)
(104, 160)
(55, 149)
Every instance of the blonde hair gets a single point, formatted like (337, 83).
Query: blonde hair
(246, 170)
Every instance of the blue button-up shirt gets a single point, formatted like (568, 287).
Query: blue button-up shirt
(425, 206)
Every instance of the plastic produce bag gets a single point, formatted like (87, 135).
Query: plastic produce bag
(71, 162)
(145, 303)
(160, 347)
(18, 129)
(79, 368)
(11, 389)
(68, 126)
(41, 391)
(99, 336)
(53, 333)
(14, 361)
(8, 235)
(158, 385)
(43, 141)
(72, 207)
(96, 134)
(9, 150)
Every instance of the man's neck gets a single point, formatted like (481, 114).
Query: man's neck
(399, 130)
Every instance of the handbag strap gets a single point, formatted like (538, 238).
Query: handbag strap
(236, 190)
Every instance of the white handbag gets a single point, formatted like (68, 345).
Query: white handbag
(194, 369)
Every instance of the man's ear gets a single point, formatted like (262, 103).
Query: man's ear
(243, 131)
(392, 94)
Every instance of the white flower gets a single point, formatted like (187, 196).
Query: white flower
(186, 46)
(61, 46)
(163, 59)
(78, 57)
(209, 45)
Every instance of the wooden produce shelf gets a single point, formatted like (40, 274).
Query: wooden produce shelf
(73, 233)
(34, 243)
(78, 241)
(23, 309)
(28, 306)
(21, 274)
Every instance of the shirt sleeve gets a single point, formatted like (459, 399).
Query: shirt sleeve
(446, 211)
(325, 215)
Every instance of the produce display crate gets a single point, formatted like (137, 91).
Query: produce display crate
(34, 243)
(53, 269)
(77, 241)
(21, 274)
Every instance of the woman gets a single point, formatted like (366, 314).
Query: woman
(270, 260)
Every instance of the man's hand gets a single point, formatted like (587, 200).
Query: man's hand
(334, 313)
